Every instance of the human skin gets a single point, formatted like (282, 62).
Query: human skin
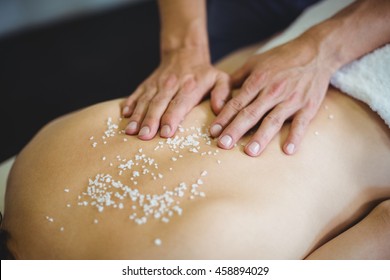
(251, 203)
(183, 77)
(339, 175)
(289, 81)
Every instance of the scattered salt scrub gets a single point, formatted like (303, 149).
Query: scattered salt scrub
(316, 133)
(331, 117)
(50, 219)
(142, 205)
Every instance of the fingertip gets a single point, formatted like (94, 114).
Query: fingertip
(126, 111)
(225, 141)
(289, 148)
(253, 149)
(215, 130)
(165, 131)
(144, 133)
(131, 128)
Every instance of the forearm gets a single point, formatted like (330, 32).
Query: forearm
(183, 26)
(354, 31)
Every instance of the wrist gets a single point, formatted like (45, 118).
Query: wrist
(328, 45)
(190, 36)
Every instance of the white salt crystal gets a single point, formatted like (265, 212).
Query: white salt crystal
(157, 242)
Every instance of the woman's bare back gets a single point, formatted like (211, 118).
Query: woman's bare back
(223, 204)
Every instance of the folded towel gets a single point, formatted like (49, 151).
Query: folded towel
(366, 79)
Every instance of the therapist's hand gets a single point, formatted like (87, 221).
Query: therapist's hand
(183, 78)
(289, 81)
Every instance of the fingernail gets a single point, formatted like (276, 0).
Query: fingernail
(226, 141)
(132, 126)
(125, 110)
(215, 130)
(144, 131)
(254, 148)
(290, 148)
(165, 130)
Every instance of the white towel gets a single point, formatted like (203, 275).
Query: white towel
(366, 79)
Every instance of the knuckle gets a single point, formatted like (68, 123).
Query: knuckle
(258, 77)
(235, 104)
(253, 83)
(189, 85)
(178, 101)
(251, 113)
(275, 89)
(274, 120)
(312, 104)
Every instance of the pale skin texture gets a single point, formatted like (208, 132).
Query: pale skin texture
(269, 207)
(289, 81)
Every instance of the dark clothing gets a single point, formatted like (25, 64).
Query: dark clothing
(51, 70)
(237, 23)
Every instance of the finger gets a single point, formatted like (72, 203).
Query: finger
(220, 92)
(251, 88)
(131, 101)
(140, 110)
(269, 127)
(243, 122)
(298, 127)
(157, 107)
(187, 97)
(238, 77)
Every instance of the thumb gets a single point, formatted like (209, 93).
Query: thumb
(220, 92)
(239, 76)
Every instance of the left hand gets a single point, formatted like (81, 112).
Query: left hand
(288, 81)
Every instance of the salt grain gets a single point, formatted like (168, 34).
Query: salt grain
(66, 190)
(157, 242)
(331, 117)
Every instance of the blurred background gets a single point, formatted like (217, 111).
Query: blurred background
(57, 56)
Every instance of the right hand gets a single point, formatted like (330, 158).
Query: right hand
(183, 78)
